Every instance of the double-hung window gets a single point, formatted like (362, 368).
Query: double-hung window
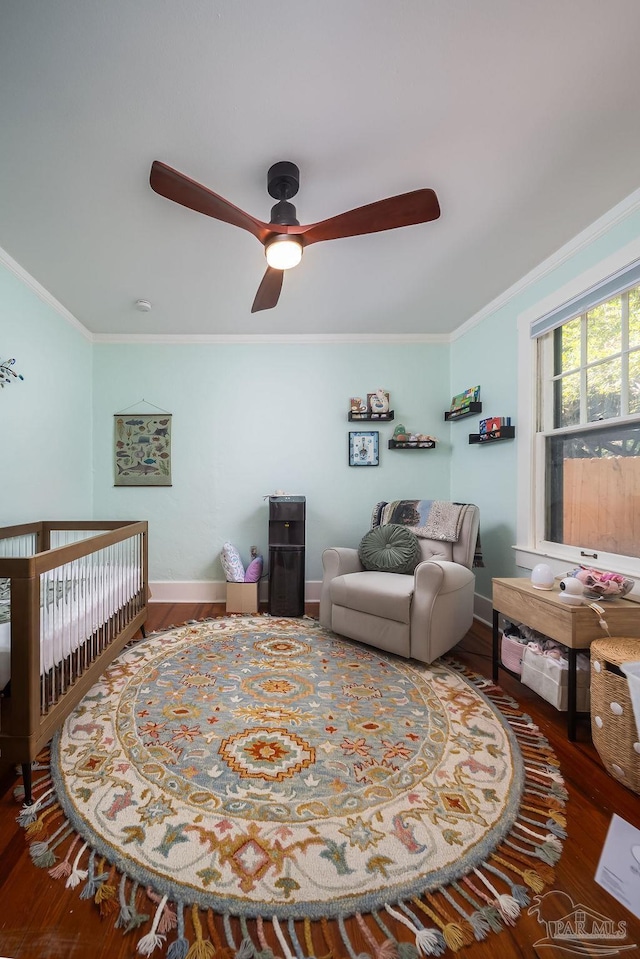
(585, 495)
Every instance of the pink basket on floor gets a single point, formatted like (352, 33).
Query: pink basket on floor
(512, 653)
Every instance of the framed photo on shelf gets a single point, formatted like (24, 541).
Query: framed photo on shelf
(364, 448)
(378, 402)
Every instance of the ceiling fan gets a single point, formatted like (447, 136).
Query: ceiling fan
(283, 237)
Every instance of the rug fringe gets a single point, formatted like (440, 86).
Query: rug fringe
(153, 938)
(180, 946)
(202, 948)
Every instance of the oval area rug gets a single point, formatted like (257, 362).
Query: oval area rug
(266, 770)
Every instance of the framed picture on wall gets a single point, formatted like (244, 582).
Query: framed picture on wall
(364, 448)
(142, 449)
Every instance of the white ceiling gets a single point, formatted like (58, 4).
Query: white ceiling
(522, 116)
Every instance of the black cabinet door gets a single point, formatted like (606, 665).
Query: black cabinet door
(286, 580)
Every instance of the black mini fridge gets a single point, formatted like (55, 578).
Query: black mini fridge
(286, 555)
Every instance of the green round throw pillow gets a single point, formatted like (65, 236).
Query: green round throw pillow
(390, 549)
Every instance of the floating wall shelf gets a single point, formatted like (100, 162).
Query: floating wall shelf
(463, 411)
(482, 439)
(373, 417)
(424, 445)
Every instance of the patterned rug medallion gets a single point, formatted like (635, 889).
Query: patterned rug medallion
(268, 772)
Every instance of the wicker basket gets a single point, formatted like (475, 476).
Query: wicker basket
(613, 724)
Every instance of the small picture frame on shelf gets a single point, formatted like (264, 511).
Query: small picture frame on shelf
(378, 403)
(357, 405)
(364, 448)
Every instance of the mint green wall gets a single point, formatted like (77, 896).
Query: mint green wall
(250, 419)
(487, 354)
(45, 420)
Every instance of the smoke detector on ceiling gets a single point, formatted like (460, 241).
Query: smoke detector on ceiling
(144, 306)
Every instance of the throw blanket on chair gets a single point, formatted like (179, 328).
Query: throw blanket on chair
(428, 518)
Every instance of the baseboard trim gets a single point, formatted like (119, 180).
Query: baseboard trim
(483, 610)
(215, 591)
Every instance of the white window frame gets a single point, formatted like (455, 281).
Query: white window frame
(530, 448)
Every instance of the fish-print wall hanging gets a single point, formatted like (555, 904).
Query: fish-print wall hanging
(142, 449)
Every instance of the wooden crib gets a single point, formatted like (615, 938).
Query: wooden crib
(72, 594)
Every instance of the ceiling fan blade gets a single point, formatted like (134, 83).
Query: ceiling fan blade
(181, 189)
(269, 290)
(419, 206)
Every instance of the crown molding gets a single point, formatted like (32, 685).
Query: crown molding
(310, 339)
(43, 294)
(598, 228)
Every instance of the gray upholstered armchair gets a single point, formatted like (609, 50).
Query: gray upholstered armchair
(419, 615)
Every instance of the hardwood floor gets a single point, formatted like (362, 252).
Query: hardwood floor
(40, 919)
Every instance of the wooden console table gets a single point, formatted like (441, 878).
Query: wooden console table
(573, 626)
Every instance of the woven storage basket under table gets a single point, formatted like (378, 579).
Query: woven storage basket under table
(613, 725)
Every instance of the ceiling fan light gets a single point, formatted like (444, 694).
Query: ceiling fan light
(282, 252)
